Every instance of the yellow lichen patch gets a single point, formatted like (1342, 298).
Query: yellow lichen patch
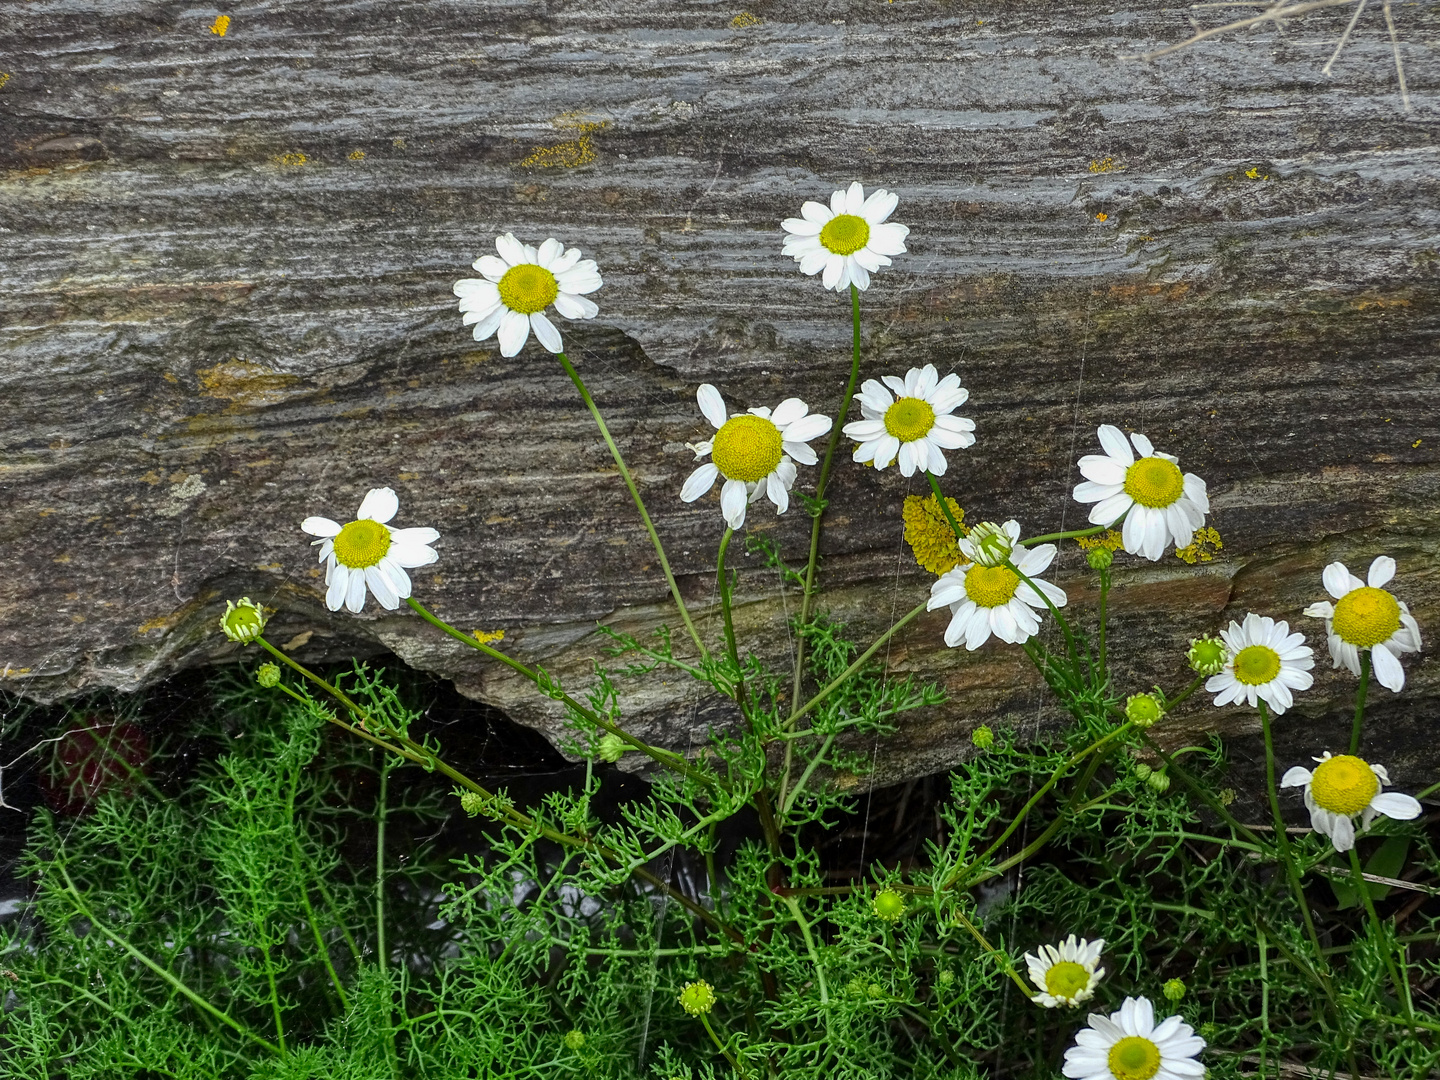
(744, 19)
(244, 383)
(1110, 540)
(488, 637)
(1203, 548)
(4, 78)
(929, 535)
(357, 155)
(1107, 164)
(220, 25)
(566, 155)
(294, 159)
(1102, 217)
(1254, 173)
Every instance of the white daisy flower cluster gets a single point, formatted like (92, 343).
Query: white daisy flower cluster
(1158, 502)
(1066, 973)
(754, 451)
(1342, 786)
(848, 240)
(367, 554)
(1263, 662)
(1129, 1045)
(510, 299)
(994, 599)
(914, 426)
(1365, 616)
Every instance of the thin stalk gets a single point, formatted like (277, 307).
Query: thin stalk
(1055, 613)
(727, 616)
(794, 906)
(860, 662)
(301, 864)
(788, 799)
(634, 494)
(841, 412)
(734, 1062)
(1359, 723)
(179, 986)
(1402, 990)
(274, 1001)
(996, 953)
(1071, 534)
(1198, 789)
(382, 816)
(1104, 598)
(944, 506)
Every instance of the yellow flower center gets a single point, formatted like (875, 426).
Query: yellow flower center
(1343, 784)
(909, 419)
(991, 586)
(1134, 1058)
(361, 544)
(528, 288)
(747, 448)
(1154, 482)
(1066, 979)
(1366, 617)
(1256, 665)
(845, 234)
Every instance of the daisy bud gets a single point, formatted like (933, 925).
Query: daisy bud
(1100, 558)
(946, 977)
(610, 748)
(471, 802)
(1173, 990)
(988, 544)
(1206, 655)
(1158, 781)
(1143, 710)
(889, 905)
(983, 737)
(268, 675)
(243, 622)
(697, 998)
(574, 1040)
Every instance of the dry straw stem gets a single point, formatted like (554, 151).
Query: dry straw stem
(1279, 11)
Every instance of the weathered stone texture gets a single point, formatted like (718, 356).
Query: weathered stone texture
(228, 264)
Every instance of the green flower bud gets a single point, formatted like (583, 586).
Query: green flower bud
(1173, 990)
(1158, 781)
(1206, 655)
(889, 905)
(1209, 1031)
(983, 737)
(875, 991)
(946, 977)
(1226, 796)
(574, 1040)
(697, 998)
(471, 802)
(988, 544)
(1143, 710)
(243, 622)
(1100, 558)
(611, 747)
(268, 675)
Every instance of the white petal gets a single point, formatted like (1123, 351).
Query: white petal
(854, 198)
(1342, 832)
(712, 405)
(879, 206)
(380, 585)
(510, 249)
(1336, 579)
(1381, 571)
(1090, 491)
(399, 580)
(788, 411)
(549, 251)
(412, 555)
(1388, 672)
(320, 526)
(1295, 776)
(545, 332)
(801, 227)
(339, 586)
(800, 451)
(1102, 469)
(834, 270)
(355, 594)
(380, 505)
(733, 499)
(1395, 805)
(888, 239)
(575, 307)
(775, 488)
(1322, 609)
(1108, 511)
(804, 429)
(1116, 445)
(514, 329)
(816, 212)
(699, 482)
(1145, 447)
(490, 323)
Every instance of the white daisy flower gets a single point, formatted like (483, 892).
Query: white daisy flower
(754, 451)
(1129, 1045)
(1343, 786)
(367, 552)
(987, 600)
(517, 287)
(1263, 660)
(1150, 492)
(848, 240)
(1066, 975)
(1365, 616)
(915, 425)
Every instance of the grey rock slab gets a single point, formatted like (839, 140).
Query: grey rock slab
(228, 264)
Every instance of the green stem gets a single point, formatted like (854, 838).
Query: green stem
(1402, 990)
(382, 949)
(1198, 789)
(734, 1062)
(841, 412)
(787, 799)
(301, 864)
(179, 986)
(944, 506)
(634, 494)
(726, 615)
(996, 953)
(1360, 701)
(1055, 612)
(860, 662)
(1073, 534)
(794, 906)
(1104, 598)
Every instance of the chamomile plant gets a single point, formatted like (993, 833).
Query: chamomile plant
(716, 924)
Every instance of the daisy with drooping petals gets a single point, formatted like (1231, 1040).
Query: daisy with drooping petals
(986, 600)
(848, 240)
(1365, 616)
(915, 424)
(1156, 499)
(510, 300)
(1066, 975)
(754, 451)
(1263, 660)
(1129, 1045)
(368, 553)
(1341, 787)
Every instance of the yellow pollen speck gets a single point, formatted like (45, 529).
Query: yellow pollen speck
(1110, 540)
(747, 448)
(1366, 617)
(929, 535)
(4, 78)
(1154, 482)
(528, 288)
(488, 637)
(1203, 548)
(1066, 979)
(220, 25)
(1134, 1058)
(357, 155)
(361, 543)
(744, 19)
(991, 586)
(1102, 217)
(1256, 665)
(1106, 164)
(294, 158)
(909, 419)
(845, 234)
(1343, 784)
